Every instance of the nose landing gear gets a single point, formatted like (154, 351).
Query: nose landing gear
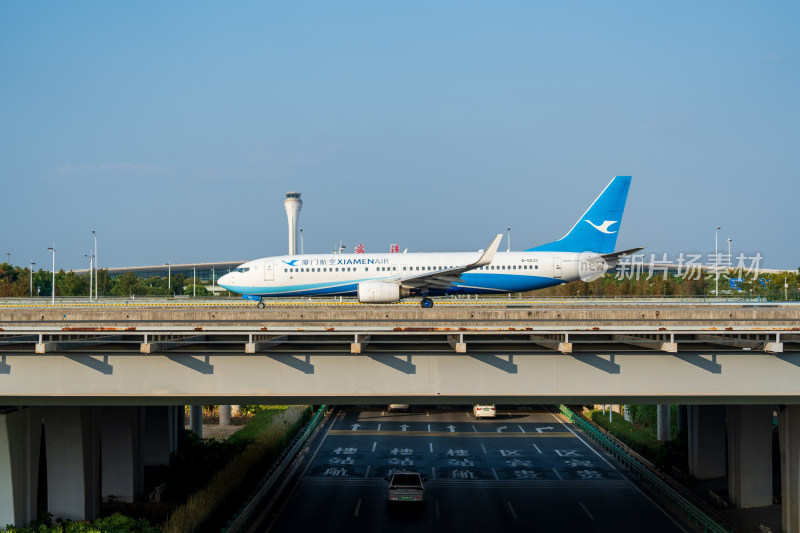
(426, 303)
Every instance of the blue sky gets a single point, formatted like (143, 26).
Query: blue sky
(174, 129)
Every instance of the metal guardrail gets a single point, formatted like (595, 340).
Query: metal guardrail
(631, 463)
(245, 513)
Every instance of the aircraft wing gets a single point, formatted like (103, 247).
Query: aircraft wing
(443, 279)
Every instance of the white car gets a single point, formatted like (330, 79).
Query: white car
(406, 486)
(484, 411)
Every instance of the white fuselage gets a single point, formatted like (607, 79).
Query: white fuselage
(340, 274)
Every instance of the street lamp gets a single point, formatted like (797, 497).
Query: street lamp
(169, 278)
(96, 297)
(729, 252)
(32, 263)
(716, 263)
(301, 241)
(509, 238)
(91, 257)
(53, 292)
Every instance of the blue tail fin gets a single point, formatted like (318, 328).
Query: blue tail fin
(597, 230)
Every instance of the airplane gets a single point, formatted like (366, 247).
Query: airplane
(585, 252)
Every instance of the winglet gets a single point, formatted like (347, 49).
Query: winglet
(488, 255)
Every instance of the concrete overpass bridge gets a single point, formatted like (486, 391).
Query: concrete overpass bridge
(89, 373)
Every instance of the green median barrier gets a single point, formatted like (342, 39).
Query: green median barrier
(245, 513)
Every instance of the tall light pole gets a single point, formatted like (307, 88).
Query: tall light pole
(90, 256)
(96, 295)
(53, 292)
(32, 263)
(169, 278)
(716, 261)
(194, 280)
(509, 238)
(729, 252)
(301, 241)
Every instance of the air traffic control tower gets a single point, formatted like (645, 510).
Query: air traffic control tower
(293, 204)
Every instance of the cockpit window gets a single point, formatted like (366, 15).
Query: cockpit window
(241, 269)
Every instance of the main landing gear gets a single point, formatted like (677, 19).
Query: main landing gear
(426, 303)
(260, 304)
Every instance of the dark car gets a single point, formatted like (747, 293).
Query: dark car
(406, 486)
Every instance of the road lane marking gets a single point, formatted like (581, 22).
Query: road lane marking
(511, 508)
(521, 429)
(375, 445)
(646, 497)
(585, 510)
(429, 427)
(473, 428)
(558, 475)
(483, 448)
(494, 473)
(433, 472)
(366, 474)
(537, 448)
(358, 507)
(379, 427)
(430, 445)
(580, 439)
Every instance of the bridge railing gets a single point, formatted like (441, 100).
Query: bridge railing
(700, 518)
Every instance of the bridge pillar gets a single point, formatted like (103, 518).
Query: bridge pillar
(157, 435)
(122, 435)
(175, 425)
(196, 419)
(180, 423)
(20, 440)
(750, 455)
(224, 415)
(72, 446)
(789, 437)
(706, 425)
(662, 422)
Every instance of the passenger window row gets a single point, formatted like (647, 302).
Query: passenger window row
(393, 269)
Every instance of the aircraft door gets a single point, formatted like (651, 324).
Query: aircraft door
(405, 270)
(556, 267)
(268, 275)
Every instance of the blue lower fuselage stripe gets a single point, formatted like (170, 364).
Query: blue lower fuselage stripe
(474, 283)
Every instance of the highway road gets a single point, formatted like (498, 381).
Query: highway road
(526, 470)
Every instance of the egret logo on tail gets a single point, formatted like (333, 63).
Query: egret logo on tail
(602, 227)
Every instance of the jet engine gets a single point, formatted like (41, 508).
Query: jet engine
(381, 292)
